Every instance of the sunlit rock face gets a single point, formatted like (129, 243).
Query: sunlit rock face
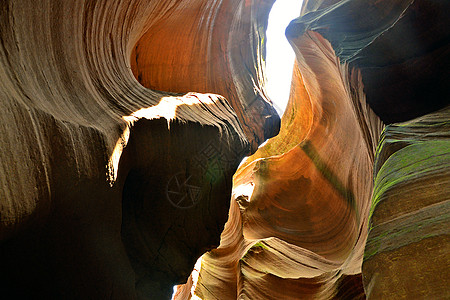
(204, 46)
(300, 231)
(299, 215)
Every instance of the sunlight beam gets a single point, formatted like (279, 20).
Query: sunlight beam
(279, 54)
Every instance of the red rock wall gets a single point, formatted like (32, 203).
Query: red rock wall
(301, 232)
(101, 147)
(71, 104)
(210, 46)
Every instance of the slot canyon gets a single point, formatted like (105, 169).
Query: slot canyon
(142, 158)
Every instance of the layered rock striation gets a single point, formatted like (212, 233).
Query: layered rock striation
(407, 251)
(300, 211)
(299, 228)
(124, 123)
(109, 188)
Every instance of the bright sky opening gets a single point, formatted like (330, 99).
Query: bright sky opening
(279, 54)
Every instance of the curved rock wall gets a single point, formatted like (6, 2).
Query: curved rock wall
(206, 46)
(407, 251)
(69, 215)
(401, 48)
(298, 220)
(299, 229)
(124, 121)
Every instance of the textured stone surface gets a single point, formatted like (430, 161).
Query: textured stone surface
(140, 235)
(123, 123)
(401, 48)
(73, 224)
(299, 215)
(204, 46)
(407, 251)
(299, 232)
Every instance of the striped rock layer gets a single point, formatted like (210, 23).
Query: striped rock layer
(123, 124)
(108, 188)
(407, 250)
(299, 214)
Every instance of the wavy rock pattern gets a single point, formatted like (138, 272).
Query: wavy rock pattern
(124, 121)
(298, 219)
(407, 251)
(216, 46)
(401, 48)
(82, 216)
(300, 229)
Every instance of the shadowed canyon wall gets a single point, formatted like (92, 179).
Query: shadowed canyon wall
(124, 123)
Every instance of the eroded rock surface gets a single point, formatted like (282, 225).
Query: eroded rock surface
(407, 251)
(78, 208)
(300, 229)
(401, 48)
(299, 215)
(123, 123)
(204, 46)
